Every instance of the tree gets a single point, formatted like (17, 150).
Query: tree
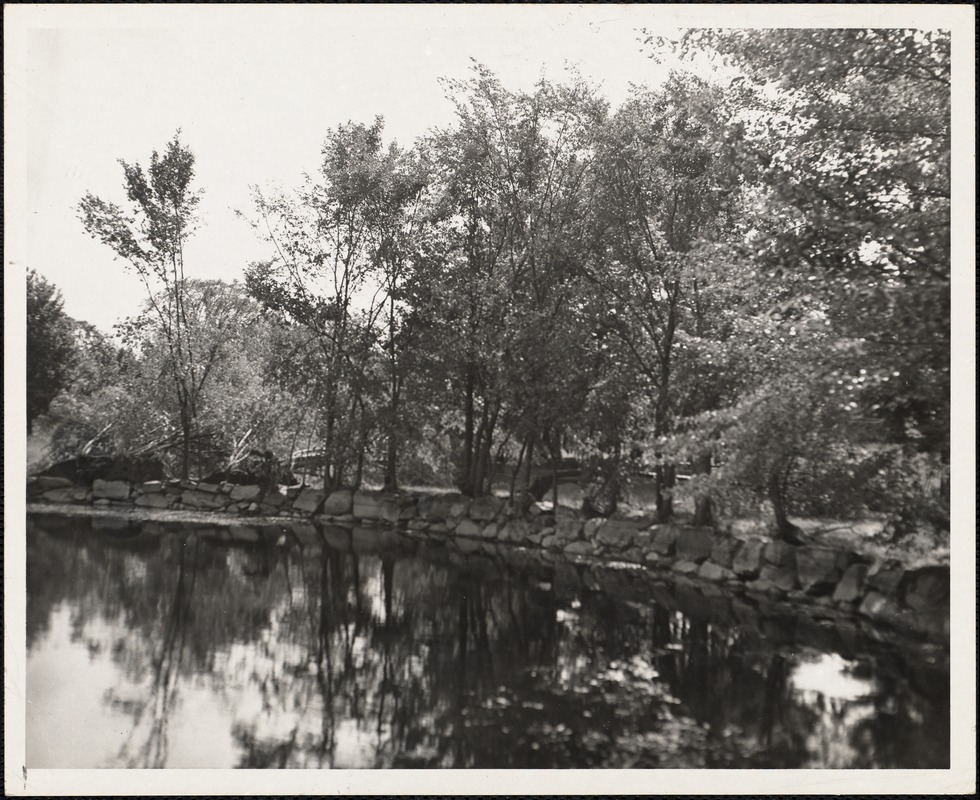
(515, 216)
(668, 184)
(849, 133)
(150, 240)
(51, 349)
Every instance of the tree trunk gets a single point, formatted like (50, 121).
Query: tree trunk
(785, 529)
(185, 448)
(467, 465)
(703, 510)
(517, 468)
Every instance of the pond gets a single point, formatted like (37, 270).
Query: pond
(154, 645)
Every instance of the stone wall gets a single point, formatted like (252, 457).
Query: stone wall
(883, 590)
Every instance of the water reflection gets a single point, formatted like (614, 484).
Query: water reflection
(306, 648)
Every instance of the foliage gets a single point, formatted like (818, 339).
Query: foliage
(51, 349)
(150, 240)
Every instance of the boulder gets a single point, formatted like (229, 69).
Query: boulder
(664, 541)
(443, 506)
(926, 590)
(339, 503)
(817, 568)
(398, 508)
(694, 544)
(568, 524)
(878, 606)
(203, 500)
(368, 505)
(213, 488)
(683, 567)
(886, 576)
(516, 530)
(153, 500)
(47, 482)
(63, 495)
(484, 509)
(309, 500)
(780, 554)
(851, 586)
(579, 548)
(110, 490)
(570, 495)
(710, 571)
(247, 492)
(723, 551)
(618, 533)
(782, 577)
(467, 527)
(274, 499)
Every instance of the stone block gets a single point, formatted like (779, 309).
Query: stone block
(568, 524)
(398, 509)
(817, 568)
(63, 495)
(151, 487)
(110, 490)
(748, 558)
(202, 500)
(782, 577)
(309, 500)
(851, 586)
(247, 493)
(926, 590)
(664, 542)
(570, 495)
(618, 533)
(275, 499)
(780, 554)
(684, 567)
(878, 606)
(886, 576)
(442, 506)
(154, 500)
(210, 488)
(484, 509)
(339, 503)
(101, 502)
(579, 548)
(710, 571)
(49, 482)
(694, 544)
(81, 494)
(467, 527)
(723, 551)
(516, 530)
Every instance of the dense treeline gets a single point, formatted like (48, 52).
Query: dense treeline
(742, 281)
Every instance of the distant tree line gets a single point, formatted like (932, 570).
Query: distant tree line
(744, 281)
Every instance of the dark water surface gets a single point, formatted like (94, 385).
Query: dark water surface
(204, 647)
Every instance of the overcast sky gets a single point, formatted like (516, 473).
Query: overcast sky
(254, 93)
(254, 90)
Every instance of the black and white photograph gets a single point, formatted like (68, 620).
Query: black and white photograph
(480, 398)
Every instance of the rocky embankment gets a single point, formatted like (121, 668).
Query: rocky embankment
(883, 590)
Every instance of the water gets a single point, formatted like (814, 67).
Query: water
(206, 647)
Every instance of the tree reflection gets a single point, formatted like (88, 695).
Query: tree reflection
(318, 656)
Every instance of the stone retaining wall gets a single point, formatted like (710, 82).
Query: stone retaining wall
(883, 590)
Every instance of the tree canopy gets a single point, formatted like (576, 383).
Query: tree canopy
(738, 285)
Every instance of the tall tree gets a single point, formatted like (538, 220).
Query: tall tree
(150, 240)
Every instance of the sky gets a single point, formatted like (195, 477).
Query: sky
(254, 94)
(255, 89)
